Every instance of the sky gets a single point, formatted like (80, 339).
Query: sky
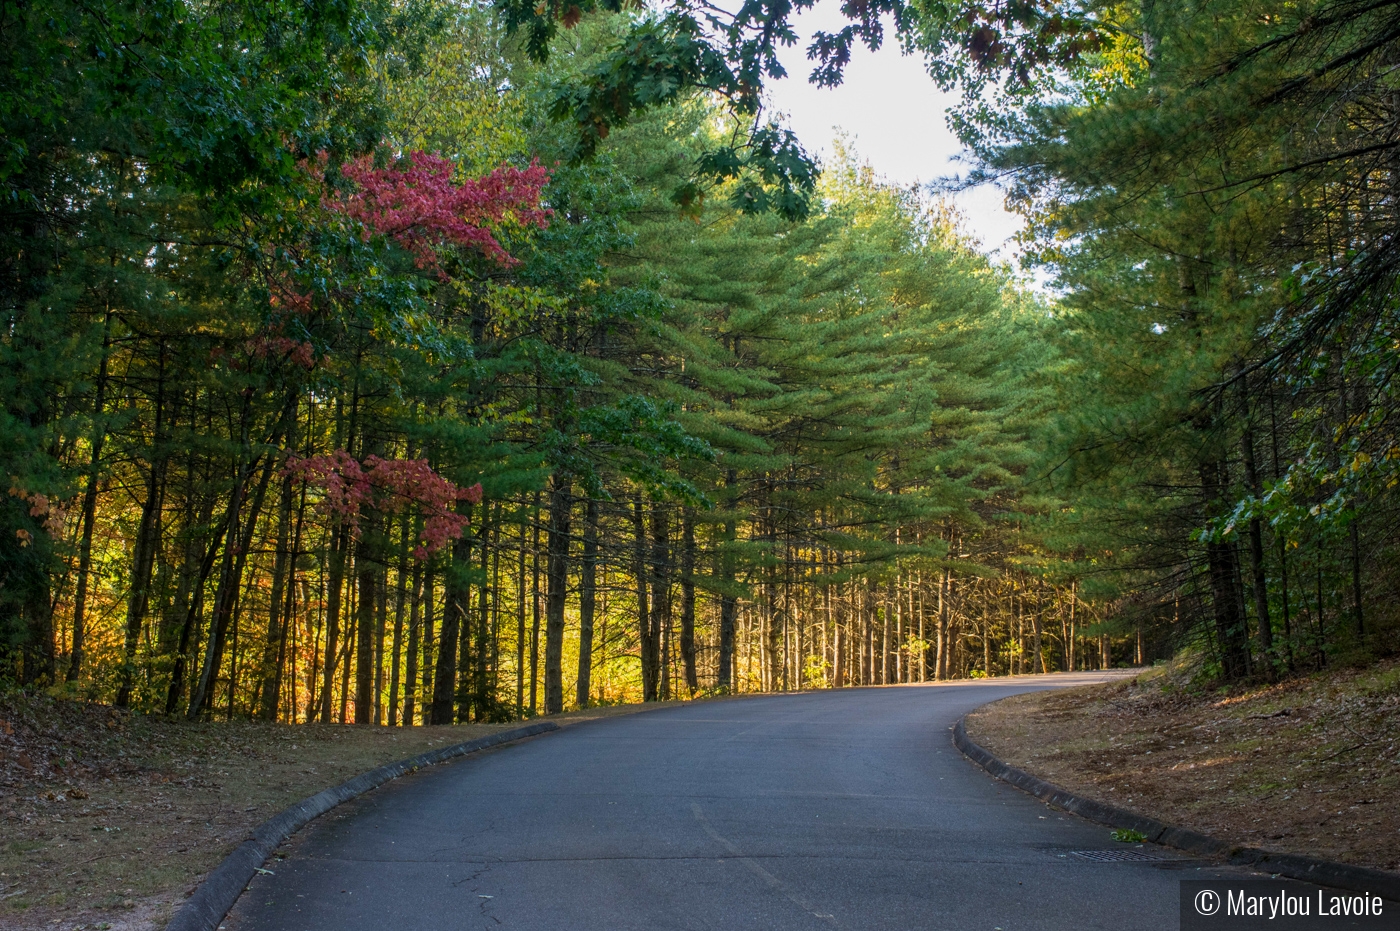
(896, 118)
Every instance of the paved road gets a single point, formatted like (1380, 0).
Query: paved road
(842, 809)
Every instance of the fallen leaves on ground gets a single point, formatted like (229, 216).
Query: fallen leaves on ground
(1310, 765)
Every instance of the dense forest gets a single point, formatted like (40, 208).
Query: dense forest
(419, 361)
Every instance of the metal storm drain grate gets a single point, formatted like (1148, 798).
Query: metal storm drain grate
(1117, 856)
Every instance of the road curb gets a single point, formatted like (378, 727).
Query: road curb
(211, 901)
(1294, 866)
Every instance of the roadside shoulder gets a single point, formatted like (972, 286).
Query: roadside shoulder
(1253, 774)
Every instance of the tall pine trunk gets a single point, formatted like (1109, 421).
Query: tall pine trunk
(456, 595)
(89, 512)
(415, 620)
(400, 603)
(661, 596)
(557, 581)
(276, 633)
(335, 586)
(1222, 562)
(728, 604)
(650, 648)
(147, 542)
(1256, 548)
(688, 602)
(587, 595)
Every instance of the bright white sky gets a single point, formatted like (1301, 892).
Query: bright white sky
(895, 116)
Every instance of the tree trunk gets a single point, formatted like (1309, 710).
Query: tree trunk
(1223, 565)
(192, 615)
(688, 602)
(381, 619)
(147, 542)
(367, 591)
(520, 630)
(415, 618)
(340, 543)
(400, 603)
(1256, 554)
(1036, 624)
(557, 581)
(650, 648)
(429, 641)
(267, 692)
(535, 608)
(588, 589)
(661, 595)
(940, 666)
(89, 514)
(728, 604)
(454, 612)
(272, 701)
(240, 540)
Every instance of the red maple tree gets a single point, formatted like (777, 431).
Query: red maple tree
(389, 486)
(417, 203)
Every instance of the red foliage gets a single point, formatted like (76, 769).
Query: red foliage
(422, 208)
(299, 352)
(264, 346)
(388, 486)
(41, 505)
(288, 299)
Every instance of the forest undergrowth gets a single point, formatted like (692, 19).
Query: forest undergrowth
(111, 818)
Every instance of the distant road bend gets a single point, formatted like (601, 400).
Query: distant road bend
(835, 809)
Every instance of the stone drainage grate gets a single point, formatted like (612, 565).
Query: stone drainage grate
(1120, 856)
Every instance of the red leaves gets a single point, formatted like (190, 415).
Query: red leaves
(266, 345)
(40, 505)
(422, 208)
(389, 486)
(296, 351)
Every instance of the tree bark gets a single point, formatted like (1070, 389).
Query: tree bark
(1256, 554)
(454, 611)
(728, 604)
(535, 608)
(367, 570)
(400, 603)
(415, 618)
(650, 649)
(1036, 625)
(520, 630)
(940, 666)
(89, 513)
(267, 697)
(147, 542)
(661, 595)
(561, 503)
(588, 589)
(688, 602)
(340, 543)
(1223, 566)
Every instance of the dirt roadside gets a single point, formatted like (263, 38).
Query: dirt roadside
(110, 819)
(1308, 766)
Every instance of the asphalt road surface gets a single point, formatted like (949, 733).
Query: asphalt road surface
(835, 809)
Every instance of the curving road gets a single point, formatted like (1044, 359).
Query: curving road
(837, 809)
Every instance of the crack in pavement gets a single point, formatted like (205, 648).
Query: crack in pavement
(768, 878)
